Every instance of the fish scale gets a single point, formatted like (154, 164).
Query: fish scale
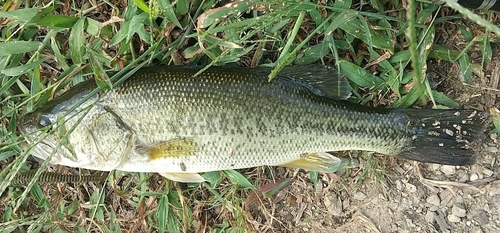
(166, 120)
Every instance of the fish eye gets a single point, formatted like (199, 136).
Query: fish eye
(45, 121)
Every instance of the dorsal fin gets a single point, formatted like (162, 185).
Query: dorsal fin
(319, 79)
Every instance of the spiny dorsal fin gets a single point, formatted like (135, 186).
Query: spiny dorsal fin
(320, 80)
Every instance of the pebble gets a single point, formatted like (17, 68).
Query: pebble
(473, 177)
(448, 170)
(493, 189)
(359, 196)
(411, 188)
(433, 200)
(430, 216)
(492, 149)
(446, 197)
(458, 211)
(453, 218)
(333, 204)
(399, 185)
(354, 163)
(480, 217)
(487, 172)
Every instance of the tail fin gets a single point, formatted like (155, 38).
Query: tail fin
(444, 136)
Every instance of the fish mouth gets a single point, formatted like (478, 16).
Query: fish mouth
(35, 141)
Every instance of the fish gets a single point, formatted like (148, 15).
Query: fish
(168, 120)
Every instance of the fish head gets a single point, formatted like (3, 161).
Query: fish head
(54, 130)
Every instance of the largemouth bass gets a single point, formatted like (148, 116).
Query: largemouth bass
(165, 120)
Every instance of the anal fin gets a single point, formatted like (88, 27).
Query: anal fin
(320, 162)
(183, 177)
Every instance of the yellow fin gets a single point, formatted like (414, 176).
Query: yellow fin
(320, 162)
(183, 177)
(174, 148)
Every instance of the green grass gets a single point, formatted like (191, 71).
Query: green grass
(383, 50)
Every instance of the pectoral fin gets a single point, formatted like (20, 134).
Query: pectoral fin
(174, 148)
(183, 177)
(320, 162)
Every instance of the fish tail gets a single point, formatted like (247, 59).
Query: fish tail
(444, 136)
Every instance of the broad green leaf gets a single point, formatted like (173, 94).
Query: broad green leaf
(168, 12)
(18, 47)
(443, 99)
(359, 75)
(93, 26)
(77, 41)
(358, 28)
(340, 19)
(57, 21)
(212, 40)
(136, 23)
(190, 52)
(238, 178)
(61, 59)
(214, 178)
(466, 32)
(142, 5)
(23, 15)
(218, 14)
(120, 35)
(182, 7)
(408, 100)
(313, 176)
(313, 53)
(465, 68)
(22, 69)
(400, 57)
(162, 213)
(316, 16)
(345, 4)
(443, 53)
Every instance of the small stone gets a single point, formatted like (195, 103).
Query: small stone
(492, 149)
(411, 188)
(480, 217)
(354, 163)
(473, 177)
(433, 200)
(443, 225)
(359, 196)
(487, 172)
(453, 218)
(463, 177)
(399, 185)
(430, 216)
(333, 204)
(448, 170)
(493, 189)
(446, 197)
(458, 211)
